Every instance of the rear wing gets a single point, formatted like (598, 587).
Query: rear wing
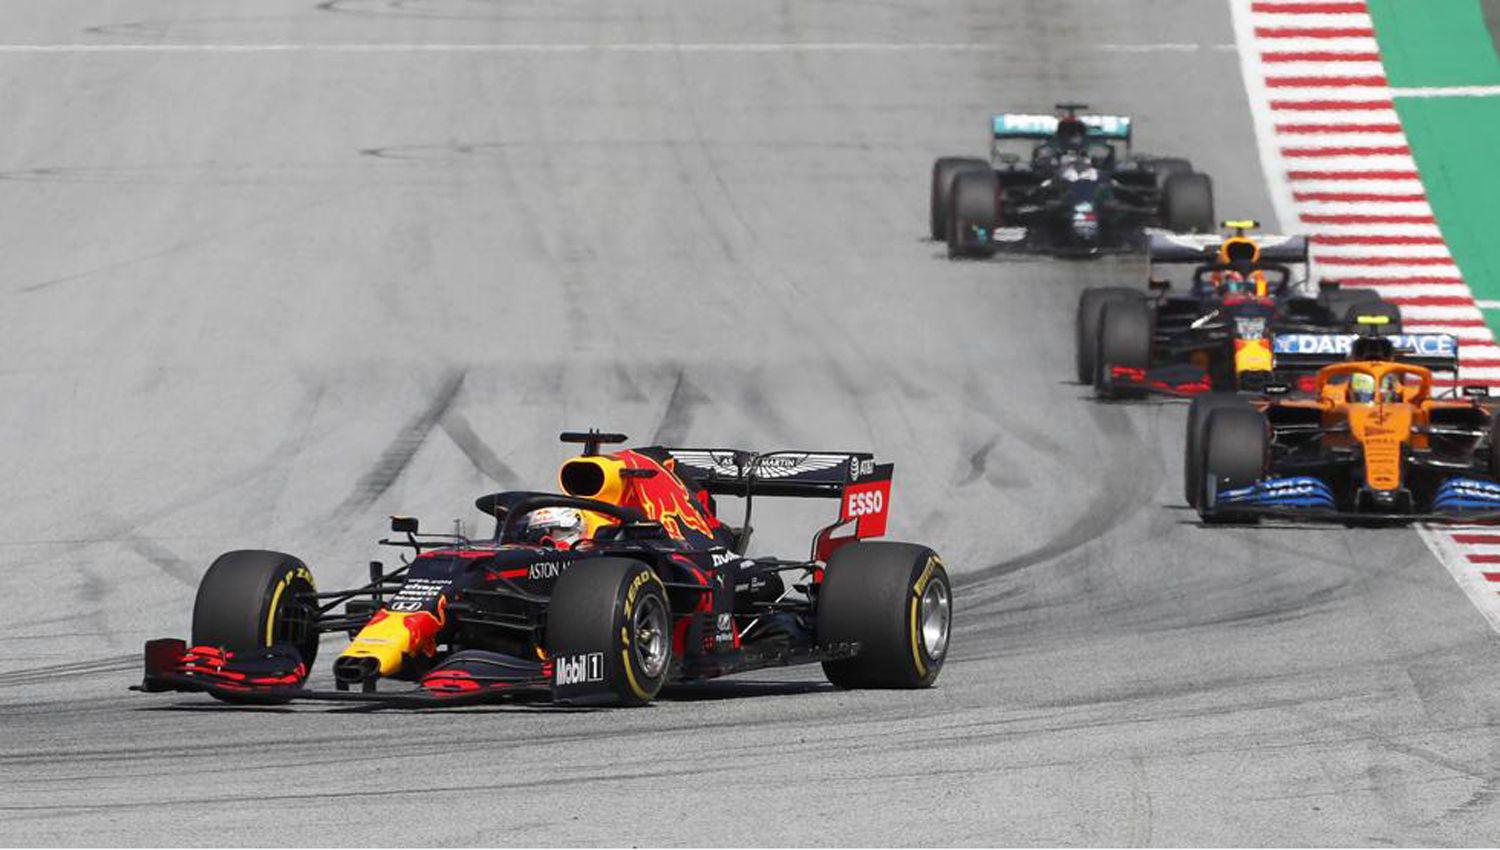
(1016, 125)
(732, 472)
(862, 486)
(1438, 352)
(1165, 248)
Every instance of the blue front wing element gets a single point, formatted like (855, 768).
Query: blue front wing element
(1298, 492)
(1467, 494)
(1454, 496)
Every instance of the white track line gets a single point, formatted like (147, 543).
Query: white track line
(1448, 91)
(617, 47)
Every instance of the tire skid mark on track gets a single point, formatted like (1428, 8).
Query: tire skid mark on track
(35, 675)
(759, 403)
(394, 459)
(1485, 797)
(193, 243)
(676, 423)
(978, 462)
(162, 558)
(1126, 491)
(479, 453)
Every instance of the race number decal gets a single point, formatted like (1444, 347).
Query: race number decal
(867, 504)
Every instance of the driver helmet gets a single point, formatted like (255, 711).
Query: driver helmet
(563, 527)
(1240, 254)
(1235, 283)
(1072, 134)
(1362, 388)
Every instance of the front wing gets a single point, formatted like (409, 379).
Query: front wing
(278, 675)
(1182, 380)
(1458, 501)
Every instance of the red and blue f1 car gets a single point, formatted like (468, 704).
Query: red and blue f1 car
(657, 590)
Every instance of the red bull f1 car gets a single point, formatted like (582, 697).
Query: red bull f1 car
(1370, 444)
(1215, 332)
(624, 581)
(1063, 184)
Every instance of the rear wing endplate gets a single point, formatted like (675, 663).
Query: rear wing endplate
(1015, 125)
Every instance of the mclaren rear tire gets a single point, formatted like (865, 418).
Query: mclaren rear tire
(1187, 202)
(252, 599)
(1234, 455)
(893, 599)
(610, 621)
(1091, 303)
(943, 171)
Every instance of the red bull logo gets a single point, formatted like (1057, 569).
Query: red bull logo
(663, 498)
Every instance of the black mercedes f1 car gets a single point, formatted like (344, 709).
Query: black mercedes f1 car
(1079, 189)
(648, 587)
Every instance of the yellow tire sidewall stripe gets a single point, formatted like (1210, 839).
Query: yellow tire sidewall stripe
(641, 580)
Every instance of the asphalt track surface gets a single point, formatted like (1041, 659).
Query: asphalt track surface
(259, 298)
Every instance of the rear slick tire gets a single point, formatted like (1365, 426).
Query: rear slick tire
(895, 600)
(1188, 203)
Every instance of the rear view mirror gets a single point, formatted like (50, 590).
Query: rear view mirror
(1008, 157)
(1476, 391)
(1159, 284)
(404, 524)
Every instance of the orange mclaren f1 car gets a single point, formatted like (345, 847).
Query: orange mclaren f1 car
(1369, 443)
(603, 593)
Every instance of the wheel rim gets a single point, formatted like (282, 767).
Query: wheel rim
(649, 624)
(294, 618)
(936, 617)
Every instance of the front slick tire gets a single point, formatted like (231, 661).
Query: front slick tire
(618, 607)
(251, 599)
(1125, 336)
(975, 204)
(896, 601)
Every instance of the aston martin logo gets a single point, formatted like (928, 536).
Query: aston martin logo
(779, 465)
